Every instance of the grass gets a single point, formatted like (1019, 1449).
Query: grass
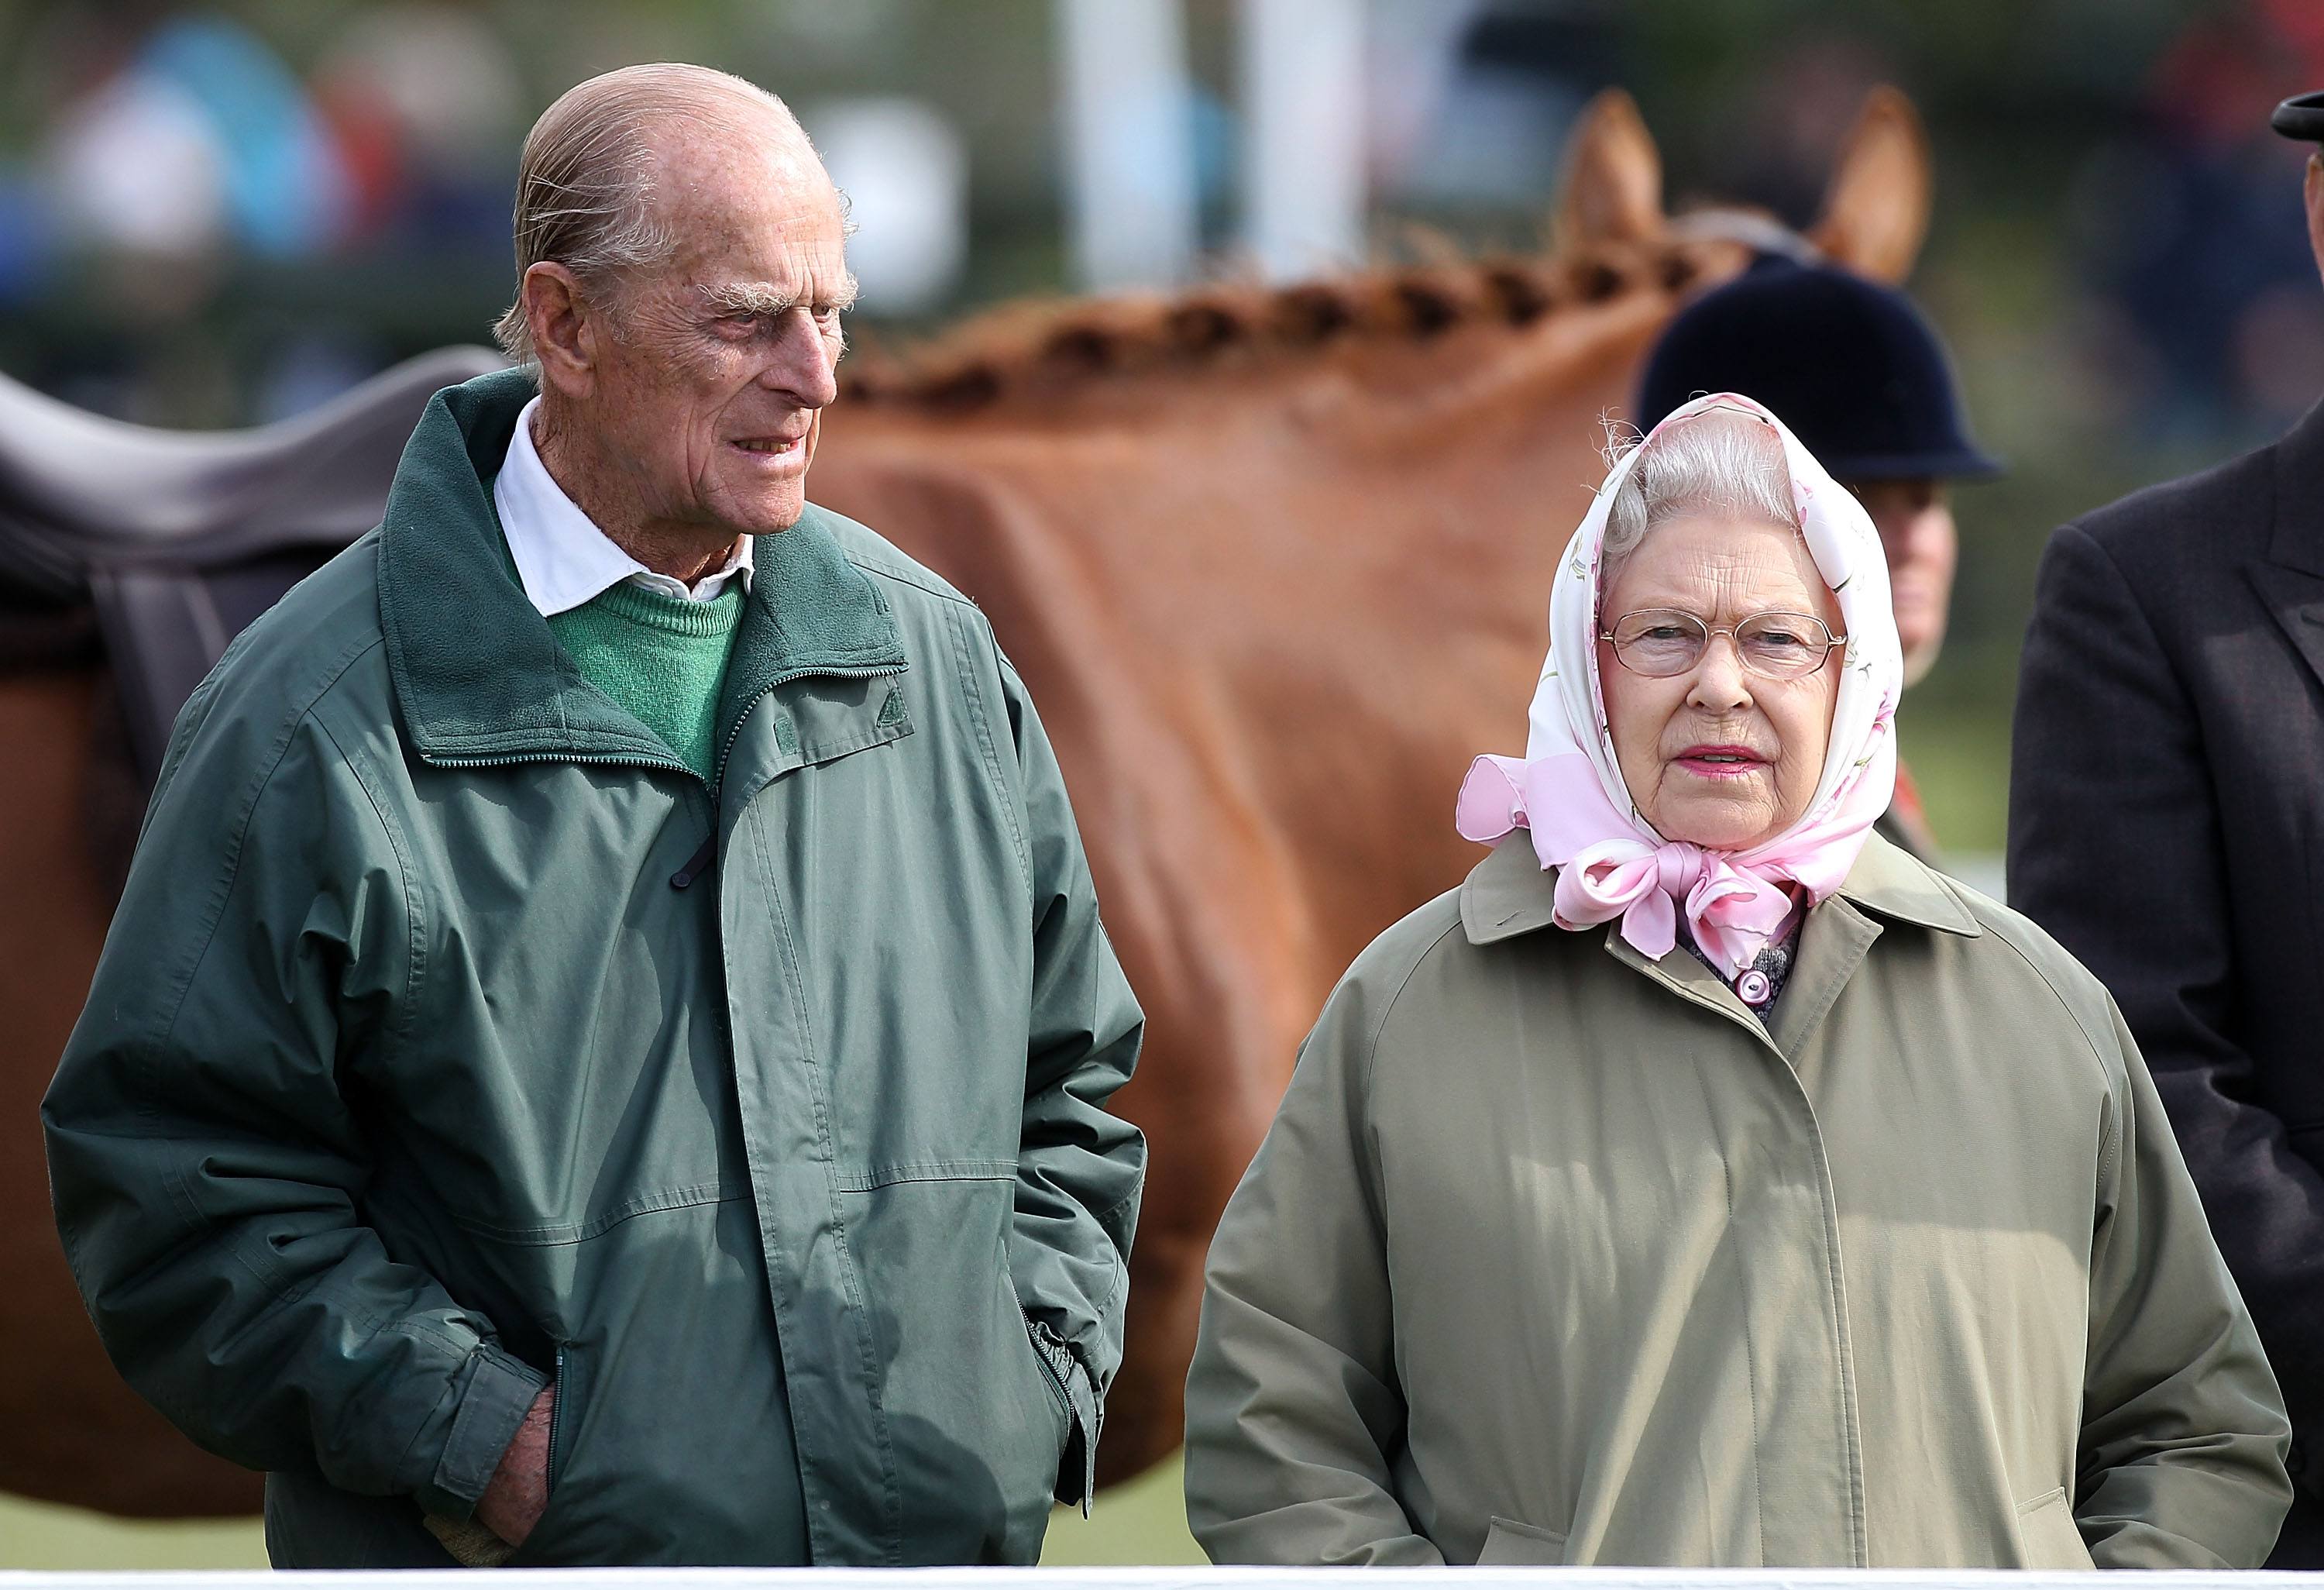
(1960, 758)
(64, 1539)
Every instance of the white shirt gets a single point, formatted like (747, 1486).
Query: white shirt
(562, 558)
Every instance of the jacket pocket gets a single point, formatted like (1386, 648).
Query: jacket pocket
(1514, 1545)
(567, 1391)
(564, 1410)
(2047, 1534)
(1060, 1402)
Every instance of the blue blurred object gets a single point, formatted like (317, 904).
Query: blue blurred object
(286, 194)
(27, 236)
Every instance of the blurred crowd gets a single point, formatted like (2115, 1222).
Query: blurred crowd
(172, 151)
(2206, 321)
(162, 156)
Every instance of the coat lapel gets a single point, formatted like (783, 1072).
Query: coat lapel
(2289, 583)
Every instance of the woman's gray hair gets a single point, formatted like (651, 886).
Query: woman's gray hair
(1722, 461)
(585, 184)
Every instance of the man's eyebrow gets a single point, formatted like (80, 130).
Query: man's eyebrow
(758, 297)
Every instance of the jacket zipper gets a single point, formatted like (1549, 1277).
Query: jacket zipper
(557, 1424)
(672, 765)
(706, 856)
(1042, 1337)
(735, 734)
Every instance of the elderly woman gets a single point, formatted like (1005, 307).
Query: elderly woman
(1705, 1181)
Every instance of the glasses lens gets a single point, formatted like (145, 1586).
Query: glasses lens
(1659, 645)
(1781, 645)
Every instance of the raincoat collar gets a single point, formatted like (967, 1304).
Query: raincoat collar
(478, 675)
(1508, 893)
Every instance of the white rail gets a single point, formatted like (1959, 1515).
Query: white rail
(1166, 1579)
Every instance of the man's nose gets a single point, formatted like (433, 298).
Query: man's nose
(804, 366)
(1721, 683)
(1902, 535)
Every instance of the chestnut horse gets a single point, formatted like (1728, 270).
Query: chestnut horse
(1274, 564)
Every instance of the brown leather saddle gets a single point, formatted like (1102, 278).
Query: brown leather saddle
(178, 540)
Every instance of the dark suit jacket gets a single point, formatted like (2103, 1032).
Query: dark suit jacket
(2166, 824)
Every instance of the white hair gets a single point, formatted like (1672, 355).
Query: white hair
(585, 183)
(1722, 461)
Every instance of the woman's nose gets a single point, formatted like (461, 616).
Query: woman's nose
(1720, 684)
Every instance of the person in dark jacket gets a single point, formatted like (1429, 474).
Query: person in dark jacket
(2166, 823)
(1876, 404)
(602, 1055)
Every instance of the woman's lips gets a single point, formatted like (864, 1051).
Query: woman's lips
(1721, 762)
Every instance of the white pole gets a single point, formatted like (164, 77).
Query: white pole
(1130, 142)
(1303, 146)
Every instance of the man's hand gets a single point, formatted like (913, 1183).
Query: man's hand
(513, 1502)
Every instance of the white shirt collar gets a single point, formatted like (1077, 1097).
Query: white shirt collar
(562, 558)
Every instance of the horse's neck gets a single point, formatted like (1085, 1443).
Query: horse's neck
(1301, 599)
(1205, 499)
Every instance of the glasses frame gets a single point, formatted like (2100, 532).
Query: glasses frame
(1713, 632)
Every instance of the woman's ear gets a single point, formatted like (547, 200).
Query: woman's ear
(564, 328)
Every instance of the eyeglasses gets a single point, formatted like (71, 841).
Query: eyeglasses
(1663, 643)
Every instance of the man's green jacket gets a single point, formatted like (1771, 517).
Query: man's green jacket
(433, 1055)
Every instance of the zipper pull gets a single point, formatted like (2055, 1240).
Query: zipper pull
(698, 864)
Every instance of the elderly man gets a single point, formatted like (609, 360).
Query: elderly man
(2166, 822)
(1878, 405)
(605, 1048)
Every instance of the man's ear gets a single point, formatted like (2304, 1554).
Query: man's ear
(564, 330)
(2315, 190)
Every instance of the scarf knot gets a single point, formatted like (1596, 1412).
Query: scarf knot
(1677, 867)
(1733, 910)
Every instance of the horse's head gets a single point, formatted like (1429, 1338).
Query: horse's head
(1876, 208)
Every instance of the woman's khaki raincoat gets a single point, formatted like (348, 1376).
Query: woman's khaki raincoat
(1555, 1255)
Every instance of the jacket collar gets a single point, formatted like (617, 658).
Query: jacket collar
(1888, 880)
(2296, 539)
(478, 675)
(1509, 893)
(2290, 580)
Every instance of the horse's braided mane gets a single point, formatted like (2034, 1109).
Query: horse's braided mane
(1034, 347)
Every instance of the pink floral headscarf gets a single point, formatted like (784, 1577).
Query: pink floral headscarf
(1569, 789)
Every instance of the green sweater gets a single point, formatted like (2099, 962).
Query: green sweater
(660, 657)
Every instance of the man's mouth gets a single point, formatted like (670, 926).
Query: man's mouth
(775, 458)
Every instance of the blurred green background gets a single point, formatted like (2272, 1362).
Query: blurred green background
(215, 215)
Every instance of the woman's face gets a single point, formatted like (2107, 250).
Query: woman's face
(1720, 756)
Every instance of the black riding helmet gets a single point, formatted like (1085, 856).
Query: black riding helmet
(1850, 364)
(2301, 117)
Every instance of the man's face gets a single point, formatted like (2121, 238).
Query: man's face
(1916, 530)
(709, 392)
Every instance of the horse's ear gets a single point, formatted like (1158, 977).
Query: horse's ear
(1875, 213)
(1612, 188)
